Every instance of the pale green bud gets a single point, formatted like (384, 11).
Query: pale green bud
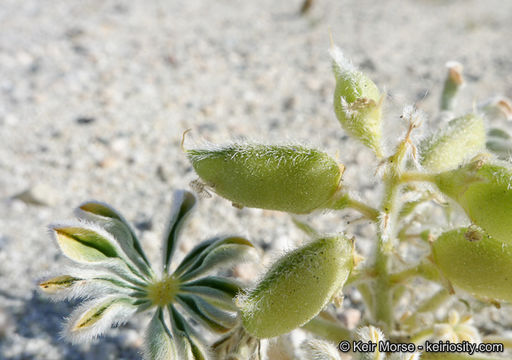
(288, 178)
(297, 287)
(460, 139)
(475, 262)
(357, 102)
(484, 191)
(454, 80)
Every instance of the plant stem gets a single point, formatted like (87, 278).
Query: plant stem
(382, 290)
(368, 297)
(328, 330)
(343, 201)
(386, 234)
(425, 270)
(383, 301)
(364, 209)
(410, 176)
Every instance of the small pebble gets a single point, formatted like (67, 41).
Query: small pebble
(85, 120)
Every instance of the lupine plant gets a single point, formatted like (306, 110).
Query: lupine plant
(463, 254)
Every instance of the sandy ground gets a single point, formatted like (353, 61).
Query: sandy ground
(94, 97)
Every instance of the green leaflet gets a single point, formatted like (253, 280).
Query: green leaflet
(58, 283)
(206, 256)
(96, 316)
(97, 210)
(219, 258)
(85, 245)
(123, 236)
(190, 344)
(183, 203)
(191, 306)
(159, 342)
(218, 291)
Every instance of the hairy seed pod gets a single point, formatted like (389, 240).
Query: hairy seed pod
(357, 102)
(288, 178)
(460, 139)
(484, 191)
(297, 287)
(475, 262)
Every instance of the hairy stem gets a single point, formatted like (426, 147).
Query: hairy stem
(425, 270)
(328, 330)
(382, 285)
(411, 176)
(341, 200)
(386, 234)
(365, 210)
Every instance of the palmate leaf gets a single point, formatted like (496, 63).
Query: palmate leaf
(106, 217)
(115, 275)
(183, 203)
(220, 253)
(159, 343)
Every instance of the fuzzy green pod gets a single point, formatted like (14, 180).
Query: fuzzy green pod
(357, 102)
(288, 178)
(475, 262)
(297, 287)
(460, 139)
(484, 191)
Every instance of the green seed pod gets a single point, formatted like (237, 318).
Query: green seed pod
(461, 139)
(484, 191)
(288, 178)
(297, 287)
(357, 102)
(475, 262)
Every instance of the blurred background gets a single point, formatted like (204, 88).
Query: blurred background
(95, 95)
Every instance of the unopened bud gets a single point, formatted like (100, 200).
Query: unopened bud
(357, 102)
